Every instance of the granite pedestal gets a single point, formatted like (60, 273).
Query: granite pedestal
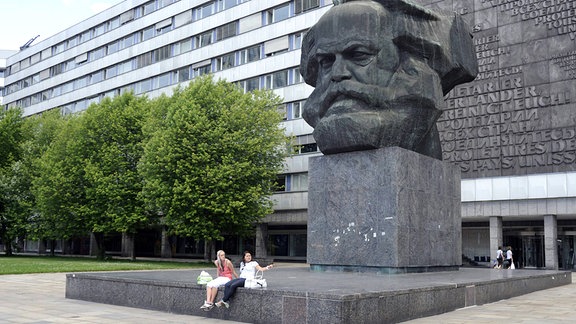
(388, 210)
(295, 294)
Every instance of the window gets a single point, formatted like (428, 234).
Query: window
(164, 26)
(164, 3)
(35, 58)
(72, 41)
(149, 7)
(143, 86)
(113, 47)
(163, 81)
(204, 39)
(277, 80)
(226, 31)
(296, 40)
(97, 53)
(97, 77)
(297, 109)
(250, 54)
(144, 60)
(114, 23)
(67, 87)
(296, 76)
(183, 19)
(99, 30)
(183, 47)
(56, 69)
(306, 144)
(126, 17)
(280, 183)
(183, 74)
(279, 13)
(162, 53)
(26, 82)
(59, 48)
(111, 72)
(201, 70)
(147, 33)
(304, 5)
(126, 42)
(299, 182)
(25, 63)
(85, 36)
(282, 111)
(204, 11)
(125, 67)
(225, 62)
(252, 84)
(80, 82)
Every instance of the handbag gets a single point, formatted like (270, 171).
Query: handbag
(257, 282)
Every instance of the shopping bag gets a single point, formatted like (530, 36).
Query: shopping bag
(512, 266)
(257, 282)
(203, 278)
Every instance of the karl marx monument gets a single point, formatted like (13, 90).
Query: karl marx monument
(380, 199)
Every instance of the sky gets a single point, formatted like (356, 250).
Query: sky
(22, 20)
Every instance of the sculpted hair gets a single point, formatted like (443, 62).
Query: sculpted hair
(442, 38)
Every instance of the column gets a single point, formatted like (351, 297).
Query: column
(550, 242)
(261, 240)
(496, 236)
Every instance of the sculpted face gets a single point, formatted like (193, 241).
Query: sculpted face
(369, 91)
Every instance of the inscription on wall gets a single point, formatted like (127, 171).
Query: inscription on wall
(519, 115)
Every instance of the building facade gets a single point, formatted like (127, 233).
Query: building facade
(512, 131)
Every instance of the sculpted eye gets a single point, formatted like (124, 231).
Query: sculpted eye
(360, 55)
(325, 60)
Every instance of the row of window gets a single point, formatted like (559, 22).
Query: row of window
(291, 182)
(276, 80)
(92, 33)
(206, 38)
(168, 79)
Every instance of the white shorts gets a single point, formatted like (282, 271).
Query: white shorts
(220, 281)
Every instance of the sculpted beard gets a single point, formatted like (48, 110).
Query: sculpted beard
(354, 116)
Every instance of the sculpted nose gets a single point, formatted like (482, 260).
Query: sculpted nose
(340, 70)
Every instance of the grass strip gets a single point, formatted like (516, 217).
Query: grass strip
(46, 264)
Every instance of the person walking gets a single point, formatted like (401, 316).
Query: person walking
(248, 269)
(509, 259)
(225, 271)
(499, 258)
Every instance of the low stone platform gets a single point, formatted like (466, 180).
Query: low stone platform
(297, 295)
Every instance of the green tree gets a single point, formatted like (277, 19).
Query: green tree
(112, 147)
(42, 130)
(211, 158)
(60, 187)
(89, 181)
(12, 133)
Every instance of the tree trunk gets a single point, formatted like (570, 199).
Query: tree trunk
(6, 240)
(52, 247)
(101, 251)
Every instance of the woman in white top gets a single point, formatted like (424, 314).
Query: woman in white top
(248, 269)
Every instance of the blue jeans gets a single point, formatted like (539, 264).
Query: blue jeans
(230, 287)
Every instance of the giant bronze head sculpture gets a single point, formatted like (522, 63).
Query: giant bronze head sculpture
(380, 71)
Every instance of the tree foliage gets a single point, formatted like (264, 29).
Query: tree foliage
(89, 180)
(12, 133)
(211, 157)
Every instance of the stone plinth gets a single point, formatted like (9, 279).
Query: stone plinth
(388, 210)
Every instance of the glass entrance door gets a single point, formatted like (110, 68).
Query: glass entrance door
(533, 251)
